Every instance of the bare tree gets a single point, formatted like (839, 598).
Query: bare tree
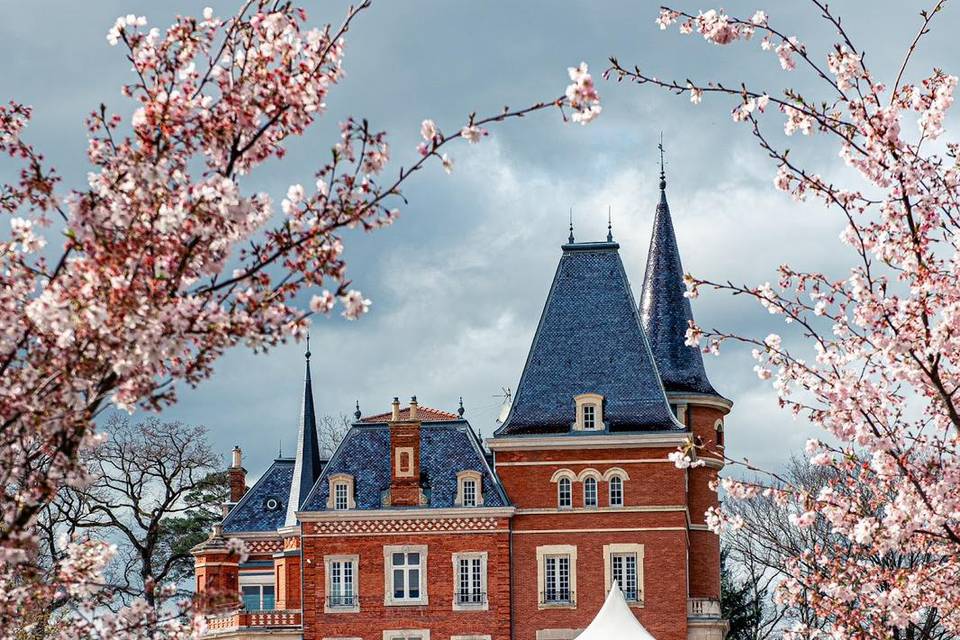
(768, 546)
(331, 431)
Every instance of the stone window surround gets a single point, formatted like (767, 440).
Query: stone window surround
(469, 474)
(341, 478)
(623, 547)
(355, 559)
(390, 634)
(610, 474)
(483, 606)
(569, 475)
(403, 471)
(473, 636)
(556, 550)
(388, 551)
(584, 399)
(558, 634)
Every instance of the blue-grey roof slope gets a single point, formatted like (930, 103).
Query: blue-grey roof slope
(589, 340)
(446, 448)
(254, 512)
(666, 312)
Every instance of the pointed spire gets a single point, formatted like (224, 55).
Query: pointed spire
(609, 223)
(664, 309)
(306, 467)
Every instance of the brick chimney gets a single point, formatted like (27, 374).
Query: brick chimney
(405, 456)
(237, 476)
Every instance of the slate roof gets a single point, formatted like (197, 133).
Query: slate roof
(251, 514)
(446, 448)
(666, 312)
(308, 464)
(589, 340)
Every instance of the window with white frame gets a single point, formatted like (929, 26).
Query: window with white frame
(341, 492)
(564, 493)
(623, 569)
(616, 491)
(469, 488)
(623, 564)
(342, 591)
(470, 580)
(556, 576)
(258, 592)
(589, 412)
(405, 574)
(341, 496)
(590, 492)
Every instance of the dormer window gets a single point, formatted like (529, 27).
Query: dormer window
(589, 416)
(589, 412)
(469, 489)
(341, 493)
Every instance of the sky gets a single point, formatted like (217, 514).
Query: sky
(458, 283)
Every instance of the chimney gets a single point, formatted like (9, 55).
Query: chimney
(395, 410)
(237, 476)
(405, 457)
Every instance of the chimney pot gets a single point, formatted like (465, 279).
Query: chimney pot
(413, 408)
(395, 409)
(237, 458)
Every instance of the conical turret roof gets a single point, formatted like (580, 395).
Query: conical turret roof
(307, 465)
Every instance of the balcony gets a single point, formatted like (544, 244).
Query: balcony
(703, 608)
(252, 621)
(341, 601)
(557, 598)
(470, 599)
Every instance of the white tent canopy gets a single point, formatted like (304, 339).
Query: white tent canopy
(615, 621)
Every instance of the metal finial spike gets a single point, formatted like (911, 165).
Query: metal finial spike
(460, 410)
(609, 223)
(357, 414)
(570, 239)
(280, 451)
(307, 354)
(663, 174)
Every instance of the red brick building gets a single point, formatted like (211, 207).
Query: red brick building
(415, 530)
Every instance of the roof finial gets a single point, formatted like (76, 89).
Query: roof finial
(357, 414)
(307, 354)
(570, 239)
(280, 450)
(663, 175)
(609, 223)
(460, 410)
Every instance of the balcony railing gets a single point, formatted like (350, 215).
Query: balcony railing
(557, 596)
(234, 620)
(345, 601)
(470, 598)
(703, 608)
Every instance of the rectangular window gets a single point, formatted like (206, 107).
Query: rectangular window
(589, 416)
(469, 493)
(624, 571)
(342, 585)
(257, 597)
(341, 501)
(406, 576)
(556, 573)
(470, 581)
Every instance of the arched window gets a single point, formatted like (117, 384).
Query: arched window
(590, 492)
(341, 495)
(469, 489)
(616, 491)
(718, 426)
(564, 493)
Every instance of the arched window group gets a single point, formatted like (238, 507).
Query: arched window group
(590, 481)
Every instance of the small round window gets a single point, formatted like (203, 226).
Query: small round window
(272, 504)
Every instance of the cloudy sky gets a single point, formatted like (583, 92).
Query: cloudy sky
(459, 282)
